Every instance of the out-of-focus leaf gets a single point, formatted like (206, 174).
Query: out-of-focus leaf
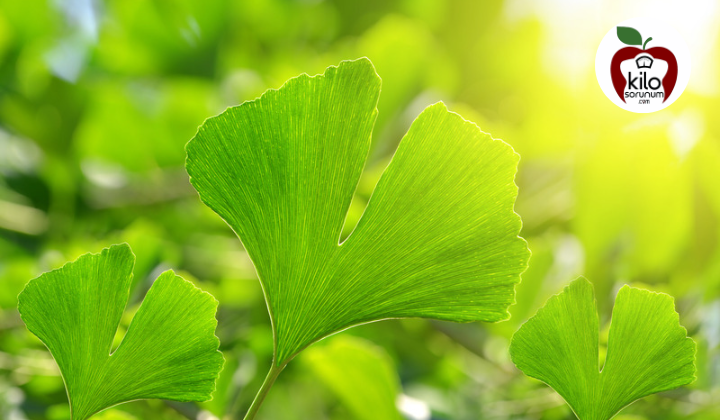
(169, 351)
(648, 350)
(438, 239)
(633, 204)
(121, 118)
(360, 374)
(398, 48)
(114, 415)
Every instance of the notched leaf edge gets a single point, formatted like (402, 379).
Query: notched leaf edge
(586, 282)
(268, 92)
(516, 218)
(124, 246)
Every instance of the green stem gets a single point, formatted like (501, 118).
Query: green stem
(264, 389)
(648, 40)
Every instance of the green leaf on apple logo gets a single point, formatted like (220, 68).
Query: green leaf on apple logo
(629, 36)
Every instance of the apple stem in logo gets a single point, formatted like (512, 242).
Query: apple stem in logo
(646, 41)
(631, 36)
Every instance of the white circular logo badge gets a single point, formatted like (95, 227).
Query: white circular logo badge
(642, 65)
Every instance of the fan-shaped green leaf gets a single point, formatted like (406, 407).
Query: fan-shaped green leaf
(169, 351)
(648, 350)
(438, 238)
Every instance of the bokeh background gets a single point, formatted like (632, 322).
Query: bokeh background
(98, 98)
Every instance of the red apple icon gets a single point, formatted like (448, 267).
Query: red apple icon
(631, 36)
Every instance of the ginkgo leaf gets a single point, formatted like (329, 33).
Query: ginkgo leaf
(648, 350)
(169, 351)
(438, 239)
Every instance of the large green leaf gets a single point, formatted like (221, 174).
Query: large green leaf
(438, 239)
(648, 350)
(169, 351)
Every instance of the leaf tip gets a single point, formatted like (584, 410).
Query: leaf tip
(122, 249)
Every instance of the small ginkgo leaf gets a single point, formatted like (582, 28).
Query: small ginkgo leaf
(169, 351)
(648, 350)
(438, 239)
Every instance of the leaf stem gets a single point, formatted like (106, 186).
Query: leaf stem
(648, 40)
(264, 389)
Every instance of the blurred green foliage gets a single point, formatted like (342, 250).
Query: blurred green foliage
(98, 98)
